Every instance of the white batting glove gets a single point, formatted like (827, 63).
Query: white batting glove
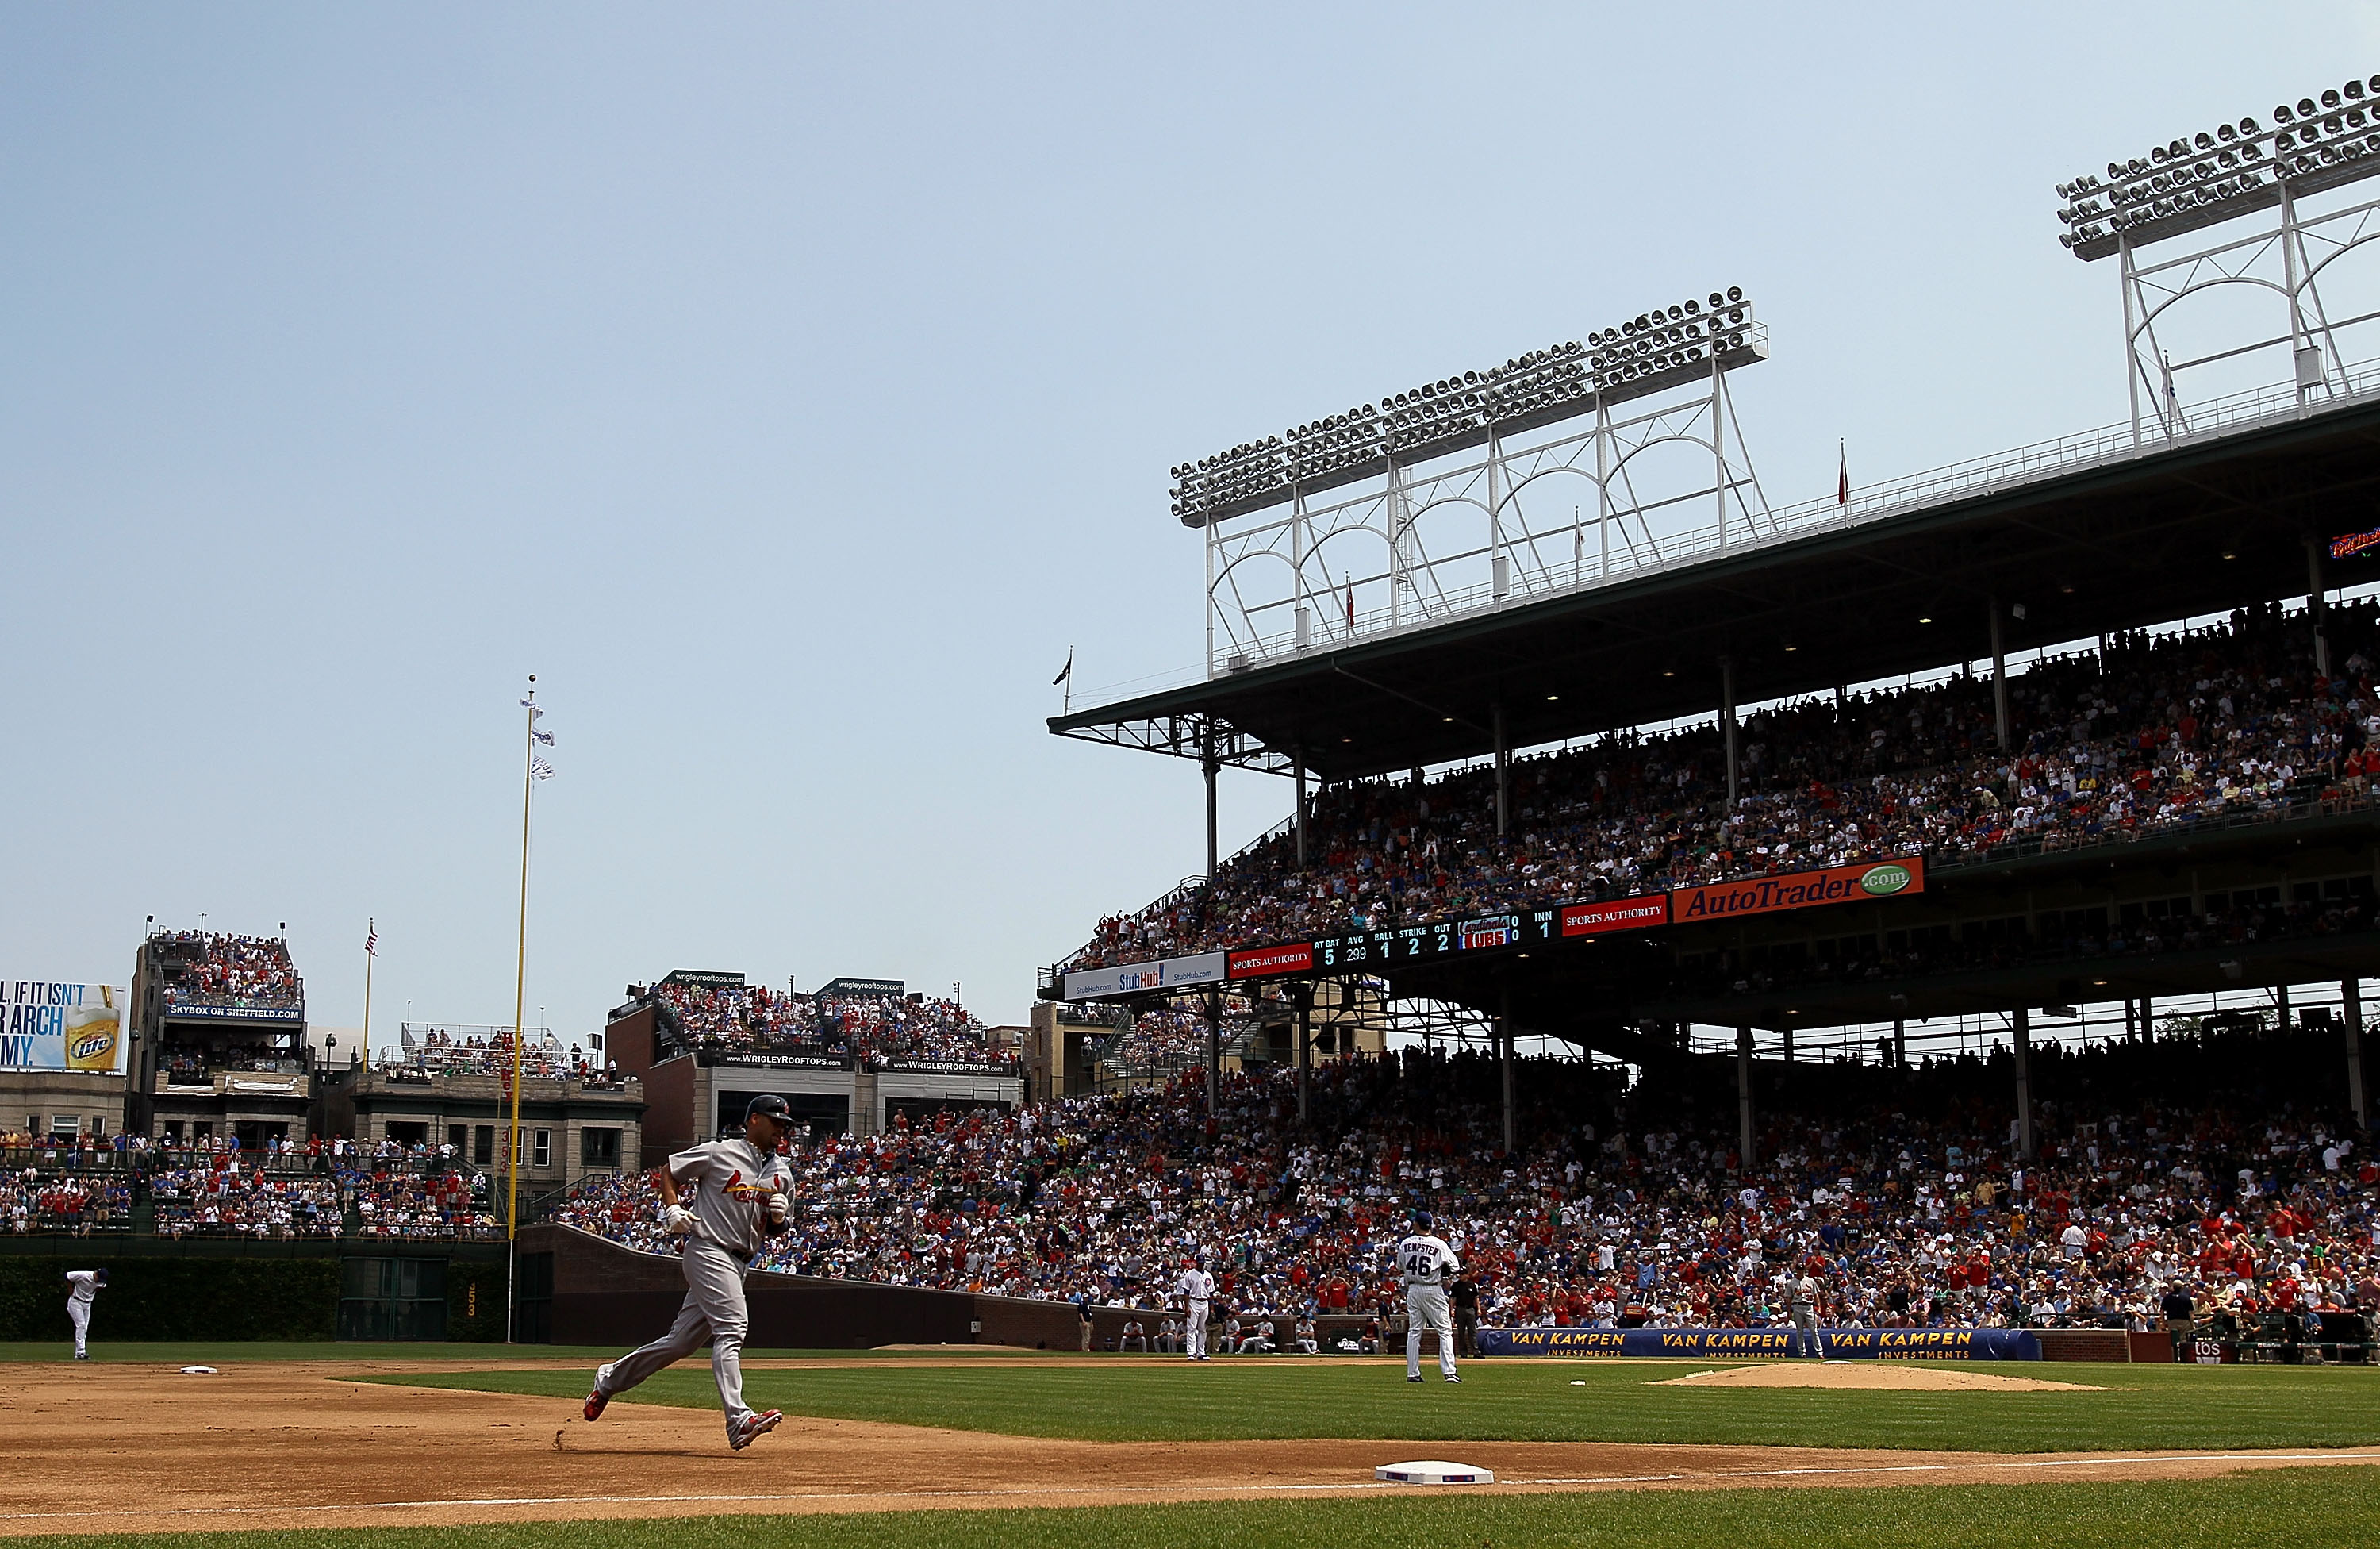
(777, 1203)
(677, 1220)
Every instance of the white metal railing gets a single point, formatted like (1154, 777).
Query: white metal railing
(1751, 532)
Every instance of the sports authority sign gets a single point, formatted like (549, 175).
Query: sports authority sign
(1836, 884)
(1266, 962)
(1615, 914)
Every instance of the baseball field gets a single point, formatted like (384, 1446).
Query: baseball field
(414, 1446)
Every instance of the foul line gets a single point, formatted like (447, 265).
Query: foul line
(2321, 1458)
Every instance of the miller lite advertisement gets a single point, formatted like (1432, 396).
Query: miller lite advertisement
(45, 1025)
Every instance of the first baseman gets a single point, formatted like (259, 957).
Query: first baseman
(81, 1285)
(1426, 1263)
(739, 1190)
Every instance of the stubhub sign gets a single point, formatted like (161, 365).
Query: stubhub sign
(1129, 979)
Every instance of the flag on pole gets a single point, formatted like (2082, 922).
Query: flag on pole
(2172, 399)
(544, 737)
(372, 939)
(1066, 673)
(538, 769)
(1351, 601)
(1842, 474)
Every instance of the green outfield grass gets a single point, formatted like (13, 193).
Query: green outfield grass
(2142, 1407)
(2306, 1509)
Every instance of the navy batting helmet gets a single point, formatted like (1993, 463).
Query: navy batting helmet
(769, 1104)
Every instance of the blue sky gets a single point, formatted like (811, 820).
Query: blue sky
(790, 389)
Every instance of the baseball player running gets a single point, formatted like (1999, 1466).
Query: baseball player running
(1427, 1262)
(739, 1190)
(82, 1285)
(1197, 1287)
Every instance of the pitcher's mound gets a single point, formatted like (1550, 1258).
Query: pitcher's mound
(1906, 1377)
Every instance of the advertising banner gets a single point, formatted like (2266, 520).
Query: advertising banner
(1124, 978)
(1836, 884)
(1617, 914)
(46, 1025)
(1705, 1344)
(944, 1068)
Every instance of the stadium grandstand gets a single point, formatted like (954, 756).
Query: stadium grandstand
(2206, 1163)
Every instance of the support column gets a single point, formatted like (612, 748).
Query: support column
(2024, 1051)
(2148, 1024)
(1743, 1099)
(1789, 1045)
(2318, 614)
(2132, 1030)
(1727, 722)
(1212, 766)
(1303, 994)
(2350, 996)
(1503, 768)
(1299, 822)
(1900, 1043)
(2281, 1010)
(1505, 1057)
(1999, 680)
(1214, 1053)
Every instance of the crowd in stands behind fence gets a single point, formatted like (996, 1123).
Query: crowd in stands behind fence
(2158, 734)
(2207, 1163)
(314, 1189)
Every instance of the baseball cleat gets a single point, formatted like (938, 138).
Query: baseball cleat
(1454, 1379)
(596, 1396)
(743, 1432)
(1414, 1379)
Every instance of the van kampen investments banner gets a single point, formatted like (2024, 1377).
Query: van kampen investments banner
(45, 1025)
(1702, 1344)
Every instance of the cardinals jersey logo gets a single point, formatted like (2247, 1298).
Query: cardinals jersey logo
(749, 1193)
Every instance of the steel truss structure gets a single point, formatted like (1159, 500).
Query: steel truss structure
(2288, 257)
(1539, 515)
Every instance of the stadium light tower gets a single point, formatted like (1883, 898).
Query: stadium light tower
(1428, 534)
(2235, 170)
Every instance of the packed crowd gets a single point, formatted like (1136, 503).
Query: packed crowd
(2154, 733)
(2206, 1163)
(754, 1018)
(235, 970)
(315, 1188)
(34, 1199)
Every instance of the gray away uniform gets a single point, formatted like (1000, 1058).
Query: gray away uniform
(730, 1182)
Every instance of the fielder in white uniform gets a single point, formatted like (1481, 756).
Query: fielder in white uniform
(1427, 1263)
(740, 1190)
(81, 1285)
(1197, 1287)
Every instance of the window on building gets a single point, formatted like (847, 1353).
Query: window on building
(483, 1144)
(599, 1148)
(541, 1153)
(98, 1125)
(65, 1126)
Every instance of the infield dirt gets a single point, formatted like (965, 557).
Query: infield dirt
(126, 1448)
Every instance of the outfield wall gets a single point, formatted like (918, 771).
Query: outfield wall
(605, 1294)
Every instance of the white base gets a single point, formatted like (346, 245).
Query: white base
(197, 1371)
(1433, 1472)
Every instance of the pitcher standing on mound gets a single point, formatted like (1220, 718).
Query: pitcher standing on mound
(740, 1190)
